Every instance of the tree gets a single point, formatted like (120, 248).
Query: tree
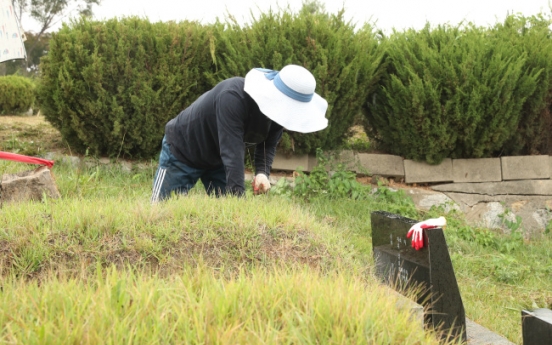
(30, 67)
(50, 12)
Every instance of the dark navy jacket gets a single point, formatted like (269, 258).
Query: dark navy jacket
(214, 130)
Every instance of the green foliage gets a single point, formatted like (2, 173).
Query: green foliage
(112, 86)
(511, 224)
(454, 92)
(16, 95)
(490, 239)
(345, 62)
(357, 144)
(396, 201)
(333, 181)
(340, 183)
(531, 37)
(507, 269)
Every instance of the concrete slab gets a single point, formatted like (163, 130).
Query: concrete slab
(550, 165)
(417, 172)
(477, 170)
(525, 167)
(479, 335)
(476, 334)
(382, 165)
(348, 158)
(291, 163)
(521, 187)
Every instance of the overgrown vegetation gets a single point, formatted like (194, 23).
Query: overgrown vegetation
(255, 307)
(455, 92)
(440, 92)
(344, 60)
(104, 220)
(251, 267)
(531, 37)
(295, 265)
(110, 87)
(17, 95)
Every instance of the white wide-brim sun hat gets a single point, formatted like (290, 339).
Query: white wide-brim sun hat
(287, 97)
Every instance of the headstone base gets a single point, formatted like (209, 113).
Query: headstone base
(28, 185)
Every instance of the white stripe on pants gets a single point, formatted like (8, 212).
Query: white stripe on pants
(158, 184)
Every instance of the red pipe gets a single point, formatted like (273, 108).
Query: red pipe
(25, 159)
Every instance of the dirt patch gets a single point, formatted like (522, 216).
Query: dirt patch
(23, 120)
(29, 135)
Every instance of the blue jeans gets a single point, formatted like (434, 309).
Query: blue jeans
(173, 176)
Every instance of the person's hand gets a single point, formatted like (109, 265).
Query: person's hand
(261, 184)
(417, 230)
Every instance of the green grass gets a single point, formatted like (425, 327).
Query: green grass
(275, 306)
(107, 218)
(498, 275)
(103, 265)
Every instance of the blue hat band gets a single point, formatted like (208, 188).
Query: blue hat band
(282, 87)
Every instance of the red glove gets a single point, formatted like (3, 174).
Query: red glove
(417, 234)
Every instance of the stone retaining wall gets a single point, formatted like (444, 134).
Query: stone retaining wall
(495, 193)
(449, 171)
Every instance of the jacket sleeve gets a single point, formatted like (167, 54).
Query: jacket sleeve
(265, 151)
(231, 114)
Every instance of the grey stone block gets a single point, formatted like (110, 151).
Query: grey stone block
(525, 167)
(74, 161)
(379, 164)
(126, 166)
(477, 170)
(291, 163)
(346, 157)
(522, 187)
(550, 165)
(416, 172)
(312, 162)
(479, 335)
(28, 185)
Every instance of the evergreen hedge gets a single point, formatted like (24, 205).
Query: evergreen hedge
(345, 63)
(531, 36)
(110, 87)
(16, 95)
(457, 92)
(449, 92)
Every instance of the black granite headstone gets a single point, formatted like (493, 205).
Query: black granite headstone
(536, 326)
(428, 271)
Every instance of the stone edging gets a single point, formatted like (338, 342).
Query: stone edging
(449, 171)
